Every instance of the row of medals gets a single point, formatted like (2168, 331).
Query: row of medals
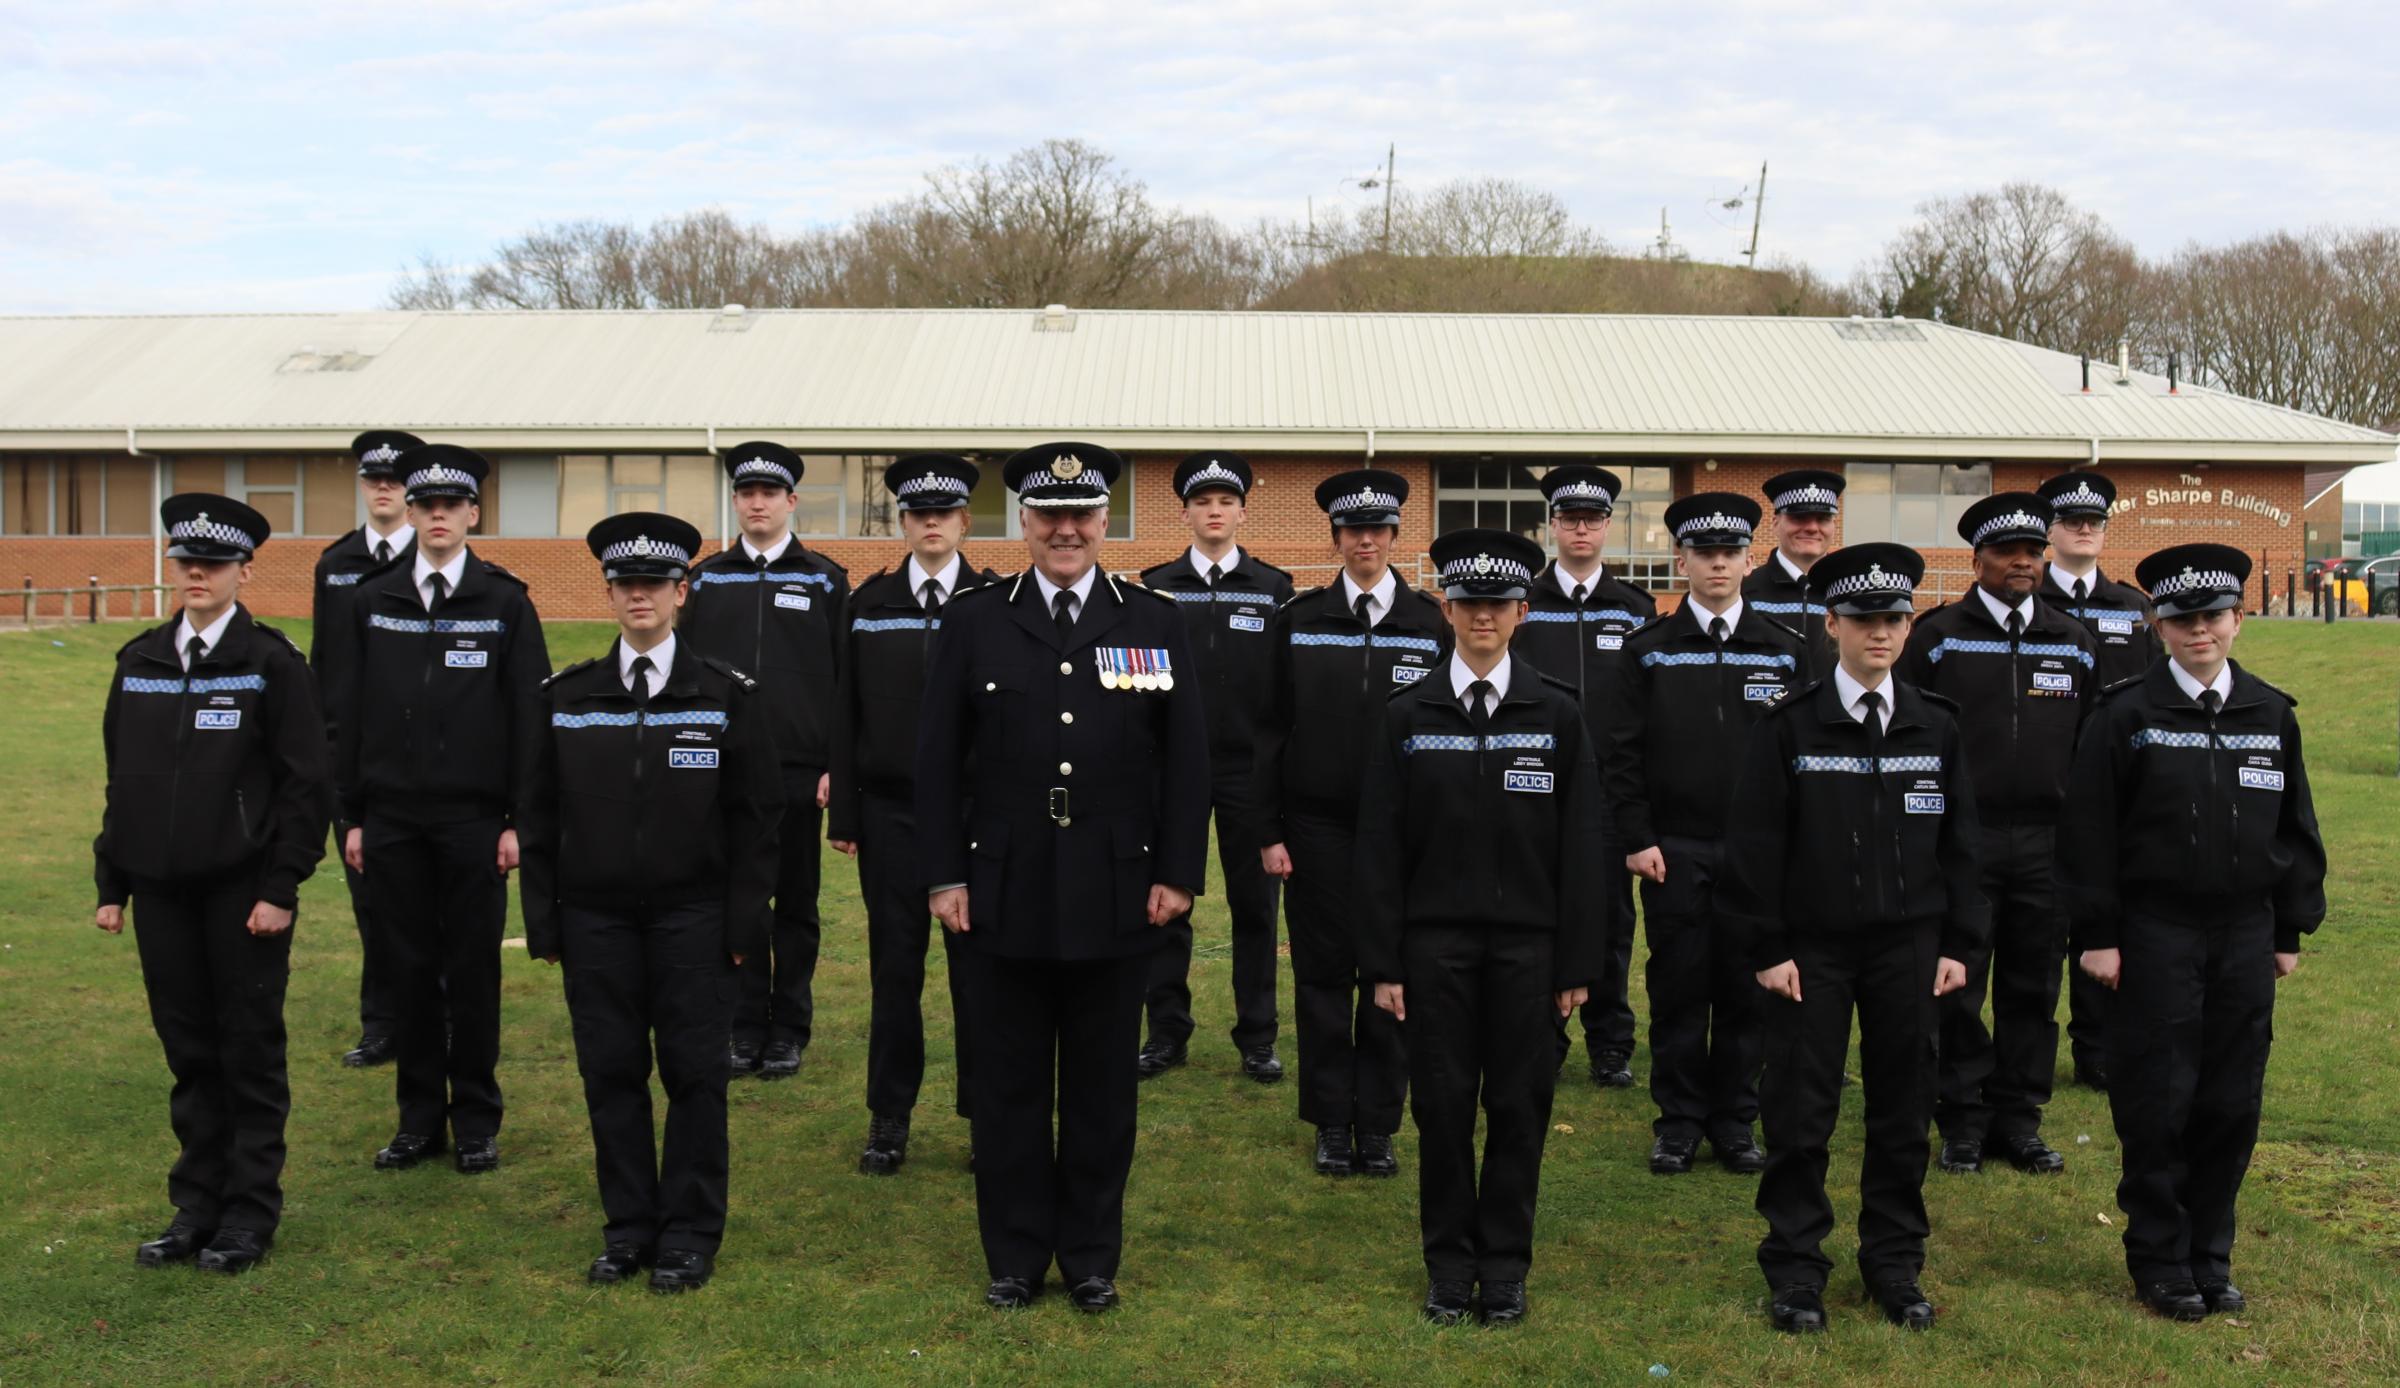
(1129, 669)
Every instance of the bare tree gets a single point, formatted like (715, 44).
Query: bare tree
(2020, 261)
(430, 286)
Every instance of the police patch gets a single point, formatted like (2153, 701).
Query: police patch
(2064, 684)
(2255, 779)
(1761, 693)
(1243, 621)
(1919, 802)
(798, 602)
(466, 660)
(692, 758)
(1407, 674)
(223, 719)
(1609, 641)
(1531, 782)
(2115, 626)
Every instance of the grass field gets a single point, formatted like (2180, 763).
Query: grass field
(1240, 1265)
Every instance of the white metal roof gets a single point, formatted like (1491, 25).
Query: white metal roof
(864, 380)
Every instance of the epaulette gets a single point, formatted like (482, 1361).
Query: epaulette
(2126, 683)
(497, 572)
(1776, 622)
(338, 542)
(1558, 684)
(2292, 699)
(1794, 698)
(279, 634)
(1250, 558)
(578, 665)
(153, 631)
(1940, 701)
(1145, 590)
(746, 682)
(998, 584)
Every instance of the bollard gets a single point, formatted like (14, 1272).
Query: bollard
(94, 582)
(2290, 579)
(29, 599)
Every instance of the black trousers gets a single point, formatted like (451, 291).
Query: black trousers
(1353, 1062)
(1480, 1016)
(777, 998)
(378, 1009)
(1608, 1018)
(634, 974)
(1053, 1037)
(1886, 974)
(2188, 1045)
(1704, 1003)
(438, 884)
(898, 926)
(1251, 896)
(216, 1001)
(1996, 1082)
(2089, 1003)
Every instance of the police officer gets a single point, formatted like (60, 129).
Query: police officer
(1481, 922)
(649, 846)
(1690, 688)
(872, 812)
(1850, 849)
(2190, 860)
(2020, 672)
(386, 538)
(1579, 617)
(437, 689)
(217, 800)
(1228, 597)
(1062, 811)
(2118, 616)
(772, 607)
(1340, 652)
(1806, 502)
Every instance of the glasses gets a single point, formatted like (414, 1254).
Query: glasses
(1578, 520)
(2082, 523)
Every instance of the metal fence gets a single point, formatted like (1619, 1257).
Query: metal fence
(94, 601)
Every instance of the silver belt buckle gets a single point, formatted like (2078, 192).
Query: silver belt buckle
(1059, 812)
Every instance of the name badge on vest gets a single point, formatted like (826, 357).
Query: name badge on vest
(466, 660)
(226, 719)
(1923, 802)
(1246, 621)
(692, 758)
(798, 602)
(1527, 782)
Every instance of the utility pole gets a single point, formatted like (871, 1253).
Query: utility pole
(1391, 156)
(1758, 212)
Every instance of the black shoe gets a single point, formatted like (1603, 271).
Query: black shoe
(370, 1051)
(1613, 1069)
(232, 1251)
(1448, 1303)
(1797, 1309)
(1672, 1156)
(1903, 1304)
(1093, 1295)
(1374, 1156)
(780, 1061)
(2091, 1074)
(2178, 1300)
(477, 1155)
(406, 1150)
(2222, 1297)
(741, 1058)
(1010, 1293)
(1963, 1157)
(2033, 1156)
(617, 1263)
(1501, 1303)
(1739, 1154)
(680, 1270)
(887, 1147)
(181, 1241)
(1334, 1157)
(1262, 1064)
(1158, 1057)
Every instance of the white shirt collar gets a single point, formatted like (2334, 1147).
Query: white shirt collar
(1732, 615)
(1850, 690)
(1567, 582)
(398, 539)
(209, 635)
(451, 573)
(770, 555)
(1381, 593)
(1461, 675)
(662, 659)
(2192, 688)
(2066, 581)
(1799, 575)
(946, 580)
(2000, 610)
(1082, 589)
(1200, 562)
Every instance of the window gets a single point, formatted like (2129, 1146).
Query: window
(75, 496)
(1915, 504)
(994, 507)
(1508, 496)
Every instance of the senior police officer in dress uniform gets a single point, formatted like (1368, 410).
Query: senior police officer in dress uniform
(2020, 672)
(2118, 616)
(217, 798)
(1228, 598)
(1340, 652)
(436, 690)
(1579, 616)
(1805, 502)
(773, 608)
(872, 813)
(649, 845)
(386, 538)
(2190, 860)
(1062, 811)
(1481, 843)
(1673, 736)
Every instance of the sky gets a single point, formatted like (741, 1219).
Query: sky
(170, 157)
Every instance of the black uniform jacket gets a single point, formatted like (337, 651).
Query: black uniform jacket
(340, 568)
(1331, 679)
(1792, 602)
(1505, 831)
(442, 714)
(783, 624)
(1582, 647)
(881, 690)
(1058, 801)
(1229, 638)
(634, 810)
(1819, 843)
(1672, 740)
(209, 774)
(2206, 818)
(2118, 617)
(2020, 702)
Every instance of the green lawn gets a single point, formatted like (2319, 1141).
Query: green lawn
(1240, 1265)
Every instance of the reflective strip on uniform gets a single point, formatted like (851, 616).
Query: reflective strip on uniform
(2228, 742)
(1520, 742)
(2093, 614)
(895, 624)
(418, 626)
(2036, 648)
(1763, 660)
(1214, 595)
(342, 580)
(1790, 609)
(222, 684)
(698, 718)
(1867, 765)
(755, 576)
(1566, 614)
(1496, 742)
(1409, 643)
(1327, 638)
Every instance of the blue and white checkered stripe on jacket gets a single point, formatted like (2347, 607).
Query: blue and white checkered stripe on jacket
(1494, 742)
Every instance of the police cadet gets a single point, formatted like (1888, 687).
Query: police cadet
(1340, 652)
(2190, 860)
(649, 845)
(387, 537)
(1228, 598)
(1674, 733)
(215, 811)
(2118, 616)
(1062, 812)
(1805, 502)
(773, 608)
(872, 812)
(437, 692)
(2020, 672)
(1579, 617)
(1850, 850)
(1481, 922)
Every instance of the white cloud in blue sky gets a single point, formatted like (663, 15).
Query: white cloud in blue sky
(185, 157)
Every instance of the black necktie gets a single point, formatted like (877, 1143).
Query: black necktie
(2209, 701)
(441, 591)
(2080, 589)
(1476, 713)
(192, 651)
(1360, 607)
(2016, 624)
(1062, 611)
(1716, 630)
(1216, 574)
(1580, 591)
(1873, 703)
(641, 681)
(931, 600)
(383, 551)
(762, 562)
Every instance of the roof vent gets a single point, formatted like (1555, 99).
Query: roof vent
(1878, 330)
(733, 318)
(323, 359)
(1054, 318)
